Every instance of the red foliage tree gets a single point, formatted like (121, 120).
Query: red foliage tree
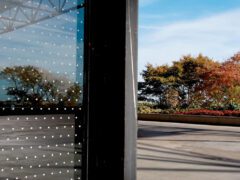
(222, 83)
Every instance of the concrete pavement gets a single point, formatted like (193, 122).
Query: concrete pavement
(172, 151)
(42, 147)
(39, 147)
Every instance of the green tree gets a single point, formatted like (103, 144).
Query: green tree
(31, 87)
(73, 94)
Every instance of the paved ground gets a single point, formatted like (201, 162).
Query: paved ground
(38, 147)
(172, 151)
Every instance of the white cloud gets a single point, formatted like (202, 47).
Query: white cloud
(217, 36)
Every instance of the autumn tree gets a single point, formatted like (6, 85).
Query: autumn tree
(179, 84)
(222, 83)
(191, 79)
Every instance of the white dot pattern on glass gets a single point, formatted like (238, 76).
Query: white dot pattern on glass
(39, 142)
(41, 57)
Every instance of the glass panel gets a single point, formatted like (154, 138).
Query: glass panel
(41, 55)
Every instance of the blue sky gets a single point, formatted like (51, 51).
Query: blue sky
(169, 29)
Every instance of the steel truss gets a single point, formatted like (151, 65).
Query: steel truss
(16, 14)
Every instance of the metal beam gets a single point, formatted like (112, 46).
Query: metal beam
(16, 14)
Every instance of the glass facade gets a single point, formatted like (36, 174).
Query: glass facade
(41, 80)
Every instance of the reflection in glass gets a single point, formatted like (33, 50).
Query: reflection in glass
(41, 55)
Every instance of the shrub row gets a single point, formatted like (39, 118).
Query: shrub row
(211, 112)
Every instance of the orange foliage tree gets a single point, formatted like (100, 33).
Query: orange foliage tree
(222, 83)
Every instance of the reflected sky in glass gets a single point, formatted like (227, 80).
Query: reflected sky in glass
(54, 45)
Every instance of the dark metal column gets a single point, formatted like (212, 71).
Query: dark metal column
(110, 81)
